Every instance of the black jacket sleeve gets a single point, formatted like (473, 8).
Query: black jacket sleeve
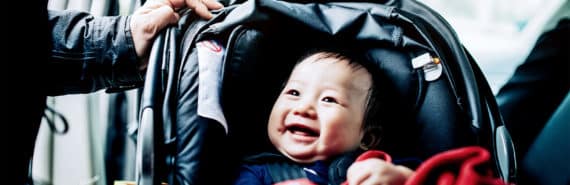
(537, 87)
(90, 53)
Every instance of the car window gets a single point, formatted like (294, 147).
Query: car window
(498, 33)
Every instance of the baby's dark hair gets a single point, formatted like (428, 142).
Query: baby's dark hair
(374, 112)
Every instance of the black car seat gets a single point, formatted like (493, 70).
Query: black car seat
(199, 117)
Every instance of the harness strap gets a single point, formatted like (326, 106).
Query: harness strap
(283, 171)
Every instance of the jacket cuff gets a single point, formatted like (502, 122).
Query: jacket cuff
(125, 68)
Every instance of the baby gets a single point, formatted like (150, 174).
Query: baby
(329, 106)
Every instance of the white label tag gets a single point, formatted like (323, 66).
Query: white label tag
(210, 61)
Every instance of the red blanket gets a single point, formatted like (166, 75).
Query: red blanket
(462, 166)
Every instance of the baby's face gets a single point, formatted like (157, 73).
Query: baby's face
(320, 111)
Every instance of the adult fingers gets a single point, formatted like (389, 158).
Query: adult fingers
(176, 4)
(202, 7)
(212, 4)
(147, 22)
(165, 16)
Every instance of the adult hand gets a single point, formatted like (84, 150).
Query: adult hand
(376, 171)
(155, 15)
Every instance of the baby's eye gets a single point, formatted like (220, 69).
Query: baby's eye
(329, 100)
(292, 92)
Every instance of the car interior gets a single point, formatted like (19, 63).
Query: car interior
(159, 133)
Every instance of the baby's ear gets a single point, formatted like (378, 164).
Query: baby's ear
(371, 139)
(364, 146)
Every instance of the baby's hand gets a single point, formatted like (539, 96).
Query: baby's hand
(377, 171)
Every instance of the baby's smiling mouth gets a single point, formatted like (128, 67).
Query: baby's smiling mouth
(302, 130)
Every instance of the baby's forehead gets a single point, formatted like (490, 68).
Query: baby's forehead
(328, 60)
(333, 70)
